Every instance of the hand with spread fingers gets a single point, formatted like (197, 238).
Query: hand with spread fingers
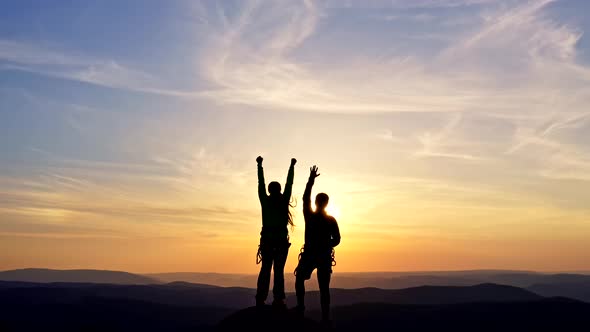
(313, 172)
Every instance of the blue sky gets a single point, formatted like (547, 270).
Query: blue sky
(444, 130)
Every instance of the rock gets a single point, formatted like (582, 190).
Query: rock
(267, 318)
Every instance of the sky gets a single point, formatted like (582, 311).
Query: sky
(449, 134)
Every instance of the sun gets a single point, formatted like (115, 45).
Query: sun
(333, 210)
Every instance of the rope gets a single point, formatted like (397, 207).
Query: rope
(299, 259)
(333, 254)
(259, 255)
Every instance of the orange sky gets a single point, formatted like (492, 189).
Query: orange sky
(449, 135)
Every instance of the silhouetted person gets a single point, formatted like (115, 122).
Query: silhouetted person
(321, 236)
(274, 237)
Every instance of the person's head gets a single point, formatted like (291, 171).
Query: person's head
(321, 201)
(274, 188)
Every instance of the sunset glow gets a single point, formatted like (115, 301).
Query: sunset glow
(450, 134)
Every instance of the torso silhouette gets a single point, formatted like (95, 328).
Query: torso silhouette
(320, 232)
(275, 214)
(321, 229)
(275, 208)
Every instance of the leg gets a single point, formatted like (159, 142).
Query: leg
(264, 278)
(280, 258)
(324, 275)
(300, 291)
(302, 273)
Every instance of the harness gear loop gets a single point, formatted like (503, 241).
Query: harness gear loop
(333, 256)
(259, 255)
(270, 246)
(302, 250)
(299, 258)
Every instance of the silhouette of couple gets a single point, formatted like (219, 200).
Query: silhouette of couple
(321, 236)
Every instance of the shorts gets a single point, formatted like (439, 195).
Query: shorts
(309, 261)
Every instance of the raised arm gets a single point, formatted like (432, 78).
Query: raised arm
(261, 185)
(290, 178)
(313, 173)
(335, 234)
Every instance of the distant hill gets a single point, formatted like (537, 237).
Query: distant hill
(424, 295)
(176, 294)
(184, 294)
(349, 280)
(389, 280)
(217, 279)
(579, 290)
(82, 276)
(571, 285)
(529, 279)
(385, 280)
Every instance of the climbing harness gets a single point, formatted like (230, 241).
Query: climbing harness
(302, 252)
(274, 246)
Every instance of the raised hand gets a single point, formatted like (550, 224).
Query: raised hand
(259, 160)
(293, 161)
(313, 172)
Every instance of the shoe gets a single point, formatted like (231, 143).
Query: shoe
(279, 304)
(326, 323)
(299, 311)
(260, 303)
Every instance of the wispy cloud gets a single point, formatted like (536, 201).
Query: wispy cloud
(418, 17)
(194, 166)
(249, 69)
(405, 4)
(512, 64)
(556, 159)
(250, 57)
(66, 235)
(46, 60)
(69, 200)
(516, 63)
(387, 135)
(161, 190)
(437, 144)
(532, 34)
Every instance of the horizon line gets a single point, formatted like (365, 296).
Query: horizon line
(339, 272)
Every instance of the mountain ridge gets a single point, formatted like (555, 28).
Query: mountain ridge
(181, 306)
(75, 275)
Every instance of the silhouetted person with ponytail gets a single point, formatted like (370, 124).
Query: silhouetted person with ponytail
(321, 236)
(274, 237)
